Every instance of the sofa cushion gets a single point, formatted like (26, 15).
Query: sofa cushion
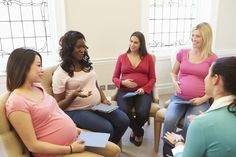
(47, 79)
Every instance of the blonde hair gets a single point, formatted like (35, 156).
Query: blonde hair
(206, 32)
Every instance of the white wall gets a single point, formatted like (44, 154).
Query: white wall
(108, 24)
(2, 84)
(226, 26)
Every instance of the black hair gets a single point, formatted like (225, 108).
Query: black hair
(67, 43)
(142, 50)
(226, 68)
(18, 66)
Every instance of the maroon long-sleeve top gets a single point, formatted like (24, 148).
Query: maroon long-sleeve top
(144, 74)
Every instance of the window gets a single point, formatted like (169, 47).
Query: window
(171, 22)
(24, 23)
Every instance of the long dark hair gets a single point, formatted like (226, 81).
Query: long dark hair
(226, 68)
(67, 43)
(18, 66)
(142, 50)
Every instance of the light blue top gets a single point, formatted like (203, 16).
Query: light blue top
(212, 134)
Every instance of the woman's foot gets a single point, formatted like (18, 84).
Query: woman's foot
(132, 137)
(138, 140)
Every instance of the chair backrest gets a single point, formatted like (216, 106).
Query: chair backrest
(10, 144)
(47, 78)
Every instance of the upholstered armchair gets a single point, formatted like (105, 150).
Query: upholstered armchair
(47, 78)
(11, 145)
(47, 84)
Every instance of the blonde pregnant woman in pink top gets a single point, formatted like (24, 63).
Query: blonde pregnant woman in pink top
(43, 127)
(188, 74)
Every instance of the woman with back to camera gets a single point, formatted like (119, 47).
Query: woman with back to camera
(135, 71)
(43, 127)
(212, 134)
(76, 90)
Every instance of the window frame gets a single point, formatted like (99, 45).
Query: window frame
(207, 12)
(56, 16)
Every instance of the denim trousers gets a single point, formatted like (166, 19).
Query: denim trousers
(114, 123)
(141, 104)
(176, 111)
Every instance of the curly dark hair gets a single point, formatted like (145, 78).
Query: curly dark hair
(226, 68)
(67, 43)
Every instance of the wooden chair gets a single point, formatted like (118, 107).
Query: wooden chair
(160, 117)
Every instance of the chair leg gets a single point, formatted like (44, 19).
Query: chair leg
(157, 134)
(148, 121)
(120, 144)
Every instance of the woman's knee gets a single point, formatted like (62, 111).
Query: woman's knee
(169, 124)
(197, 110)
(142, 115)
(123, 120)
(108, 128)
(124, 107)
(205, 106)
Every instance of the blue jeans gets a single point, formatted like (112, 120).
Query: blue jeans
(114, 123)
(176, 111)
(142, 104)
